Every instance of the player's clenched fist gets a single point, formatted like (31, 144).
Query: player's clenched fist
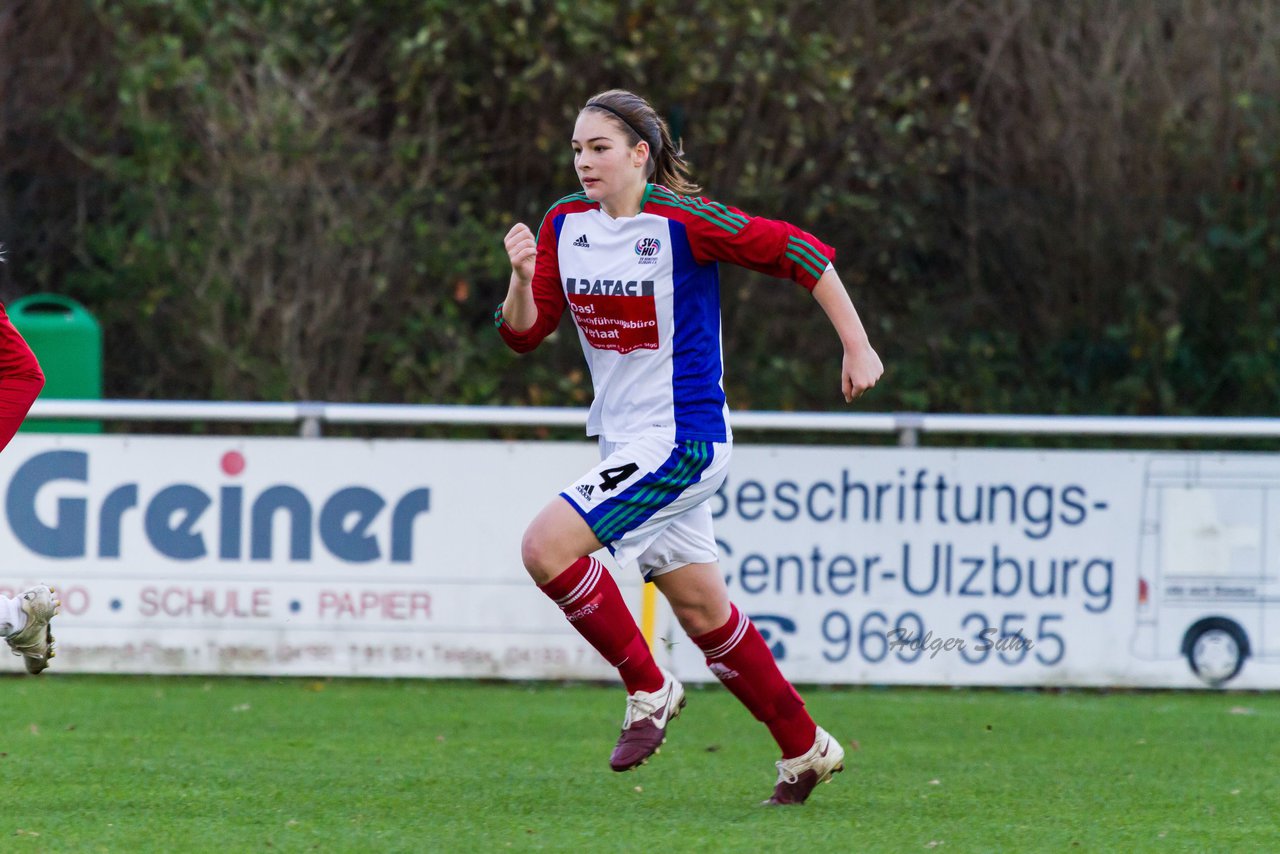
(522, 250)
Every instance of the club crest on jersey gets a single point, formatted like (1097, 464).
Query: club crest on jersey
(647, 248)
(609, 287)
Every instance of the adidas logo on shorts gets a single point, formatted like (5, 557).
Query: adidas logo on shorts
(582, 241)
(585, 490)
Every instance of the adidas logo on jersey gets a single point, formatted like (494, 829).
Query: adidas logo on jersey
(582, 241)
(585, 490)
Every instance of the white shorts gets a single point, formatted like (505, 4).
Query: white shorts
(648, 501)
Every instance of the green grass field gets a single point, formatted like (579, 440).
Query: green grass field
(189, 764)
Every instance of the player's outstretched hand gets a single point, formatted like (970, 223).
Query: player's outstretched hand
(522, 249)
(859, 371)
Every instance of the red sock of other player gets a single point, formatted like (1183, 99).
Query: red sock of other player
(592, 602)
(739, 657)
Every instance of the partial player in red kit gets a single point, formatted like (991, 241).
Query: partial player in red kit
(20, 379)
(633, 258)
(24, 620)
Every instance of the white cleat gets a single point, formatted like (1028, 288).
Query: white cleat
(35, 641)
(644, 728)
(798, 777)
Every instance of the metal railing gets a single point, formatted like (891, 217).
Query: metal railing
(310, 416)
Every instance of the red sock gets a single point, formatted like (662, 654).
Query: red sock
(739, 657)
(594, 605)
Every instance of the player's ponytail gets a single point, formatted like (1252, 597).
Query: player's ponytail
(640, 121)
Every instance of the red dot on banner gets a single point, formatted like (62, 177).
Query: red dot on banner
(233, 462)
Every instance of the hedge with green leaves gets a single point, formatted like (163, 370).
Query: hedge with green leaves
(1037, 207)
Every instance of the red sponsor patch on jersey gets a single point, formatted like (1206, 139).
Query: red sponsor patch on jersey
(618, 323)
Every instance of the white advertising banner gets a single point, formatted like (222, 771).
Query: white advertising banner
(882, 566)
(993, 567)
(291, 556)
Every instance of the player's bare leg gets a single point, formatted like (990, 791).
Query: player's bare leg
(697, 595)
(555, 538)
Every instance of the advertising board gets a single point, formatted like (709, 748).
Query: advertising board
(859, 565)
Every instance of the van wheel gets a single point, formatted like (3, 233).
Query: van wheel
(1216, 650)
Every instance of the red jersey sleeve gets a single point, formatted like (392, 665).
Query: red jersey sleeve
(721, 233)
(548, 294)
(20, 379)
(16, 358)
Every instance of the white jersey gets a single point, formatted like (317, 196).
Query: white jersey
(644, 294)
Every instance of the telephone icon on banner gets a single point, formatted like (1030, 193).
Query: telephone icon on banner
(771, 624)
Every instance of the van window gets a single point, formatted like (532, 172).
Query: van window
(1211, 531)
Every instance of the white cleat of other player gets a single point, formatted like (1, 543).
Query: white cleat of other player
(34, 641)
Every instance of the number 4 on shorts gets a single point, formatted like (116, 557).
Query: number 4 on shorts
(610, 478)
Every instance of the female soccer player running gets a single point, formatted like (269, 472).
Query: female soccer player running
(633, 257)
(24, 620)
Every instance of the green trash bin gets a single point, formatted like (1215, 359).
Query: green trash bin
(67, 340)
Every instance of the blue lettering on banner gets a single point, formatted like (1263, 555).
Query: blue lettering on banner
(917, 498)
(171, 517)
(986, 574)
(876, 637)
(64, 538)
(182, 502)
(894, 549)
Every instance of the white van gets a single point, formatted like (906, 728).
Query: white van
(1209, 562)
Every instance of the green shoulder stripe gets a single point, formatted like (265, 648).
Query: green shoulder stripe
(706, 208)
(732, 228)
(573, 197)
(709, 214)
(718, 209)
(714, 208)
